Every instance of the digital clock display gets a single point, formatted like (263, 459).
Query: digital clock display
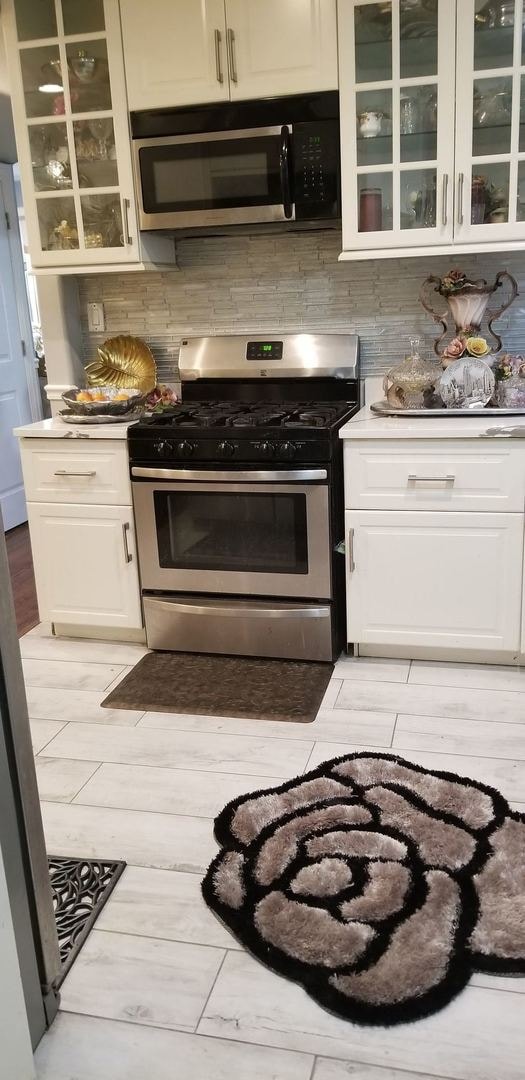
(264, 350)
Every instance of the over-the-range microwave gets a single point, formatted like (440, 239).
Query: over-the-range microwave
(239, 164)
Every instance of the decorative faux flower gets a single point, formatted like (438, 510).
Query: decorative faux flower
(161, 398)
(454, 349)
(452, 282)
(477, 346)
(508, 365)
(378, 885)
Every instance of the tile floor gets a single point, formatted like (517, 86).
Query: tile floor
(161, 990)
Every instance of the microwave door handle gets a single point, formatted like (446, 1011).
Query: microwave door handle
(284, 168)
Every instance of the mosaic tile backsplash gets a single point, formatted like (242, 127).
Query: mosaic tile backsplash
(288, 282)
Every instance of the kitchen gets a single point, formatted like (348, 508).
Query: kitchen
(263, 286)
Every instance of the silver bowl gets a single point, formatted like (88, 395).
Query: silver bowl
(135, 398)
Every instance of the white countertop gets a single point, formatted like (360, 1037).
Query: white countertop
(57, 429)
(366, 425)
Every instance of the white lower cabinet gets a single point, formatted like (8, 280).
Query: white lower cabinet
(85, 564)
(437, 579)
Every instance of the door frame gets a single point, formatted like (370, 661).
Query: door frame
(7, 192)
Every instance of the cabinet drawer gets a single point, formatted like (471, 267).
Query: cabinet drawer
(79, 472)
(434, 475)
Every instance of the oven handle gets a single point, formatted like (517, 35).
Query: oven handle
(261, 476)
(284, 169)
(253, 610)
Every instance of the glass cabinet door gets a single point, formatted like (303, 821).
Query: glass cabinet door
(397, 108)
(490, 121)
(76, 160)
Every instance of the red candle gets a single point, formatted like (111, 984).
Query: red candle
(370, 210)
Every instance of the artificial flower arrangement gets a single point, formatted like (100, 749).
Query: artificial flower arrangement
(508, 366)
(161, 398)
(462, 345)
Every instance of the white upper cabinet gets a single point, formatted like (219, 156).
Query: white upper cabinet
(70, 109)
(432, 126)
(281, 47)
(176, 54)
(189, 53)
(396, 63)
(490, 122)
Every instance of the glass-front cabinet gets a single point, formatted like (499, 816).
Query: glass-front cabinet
(432, 124)
(397, 112)
(490, 123)
(72, 130)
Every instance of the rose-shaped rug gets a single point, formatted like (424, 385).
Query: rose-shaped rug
(378, 885)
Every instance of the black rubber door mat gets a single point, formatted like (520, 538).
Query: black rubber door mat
(287, 690)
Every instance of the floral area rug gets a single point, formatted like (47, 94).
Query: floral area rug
(378, 885)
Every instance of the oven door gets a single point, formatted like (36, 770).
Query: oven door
(219, 178)
(245, 533)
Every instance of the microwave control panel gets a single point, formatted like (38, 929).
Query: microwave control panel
(316, 155)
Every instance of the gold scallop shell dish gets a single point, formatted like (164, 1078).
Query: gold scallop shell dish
(123, 361)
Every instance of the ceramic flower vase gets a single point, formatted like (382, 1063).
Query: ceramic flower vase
(467, 302)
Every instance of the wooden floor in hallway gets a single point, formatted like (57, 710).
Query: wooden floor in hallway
(20, 562)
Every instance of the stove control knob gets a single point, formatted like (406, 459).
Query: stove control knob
(162, 448)
(185, 449)
(286, 450)
(267, 449)
(226, 449)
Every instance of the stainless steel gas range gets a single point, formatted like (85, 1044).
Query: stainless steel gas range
(238, 496)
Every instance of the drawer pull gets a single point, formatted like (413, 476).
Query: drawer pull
(351, 563)
(127, 554)
(413, 479)
(66, 472)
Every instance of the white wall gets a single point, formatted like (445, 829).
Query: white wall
(16, 1061)
(7, 133)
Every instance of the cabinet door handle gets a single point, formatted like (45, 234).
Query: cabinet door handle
(448, 479)
(231, 54)
(461, 181)
(218, 61)
(127, 554)
(351, 563)
(126, 203)
(444, 215)
(67, 472)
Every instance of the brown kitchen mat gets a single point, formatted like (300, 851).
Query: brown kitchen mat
(288, 690)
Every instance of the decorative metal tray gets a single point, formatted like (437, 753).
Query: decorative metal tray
(382, 408)
(107, 418)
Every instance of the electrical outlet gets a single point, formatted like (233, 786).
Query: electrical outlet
(96, 318)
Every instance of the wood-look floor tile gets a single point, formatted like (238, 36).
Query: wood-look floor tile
(147, 787)
(76, 706)
(372, 669)
(325, 1069)
(478, 1036)
(331, 724)
(167, 841)
(459, 736)
(38, 647)
(469, 676)
(163, 904)
(141, 980)
(87, 1048)
(59, 780)
(503, 706)
(42, 731)
(69, 674)
(184, 749)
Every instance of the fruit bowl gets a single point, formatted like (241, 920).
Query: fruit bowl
(103, 400)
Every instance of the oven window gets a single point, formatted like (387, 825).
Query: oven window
(218, 175)
(260, 533)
